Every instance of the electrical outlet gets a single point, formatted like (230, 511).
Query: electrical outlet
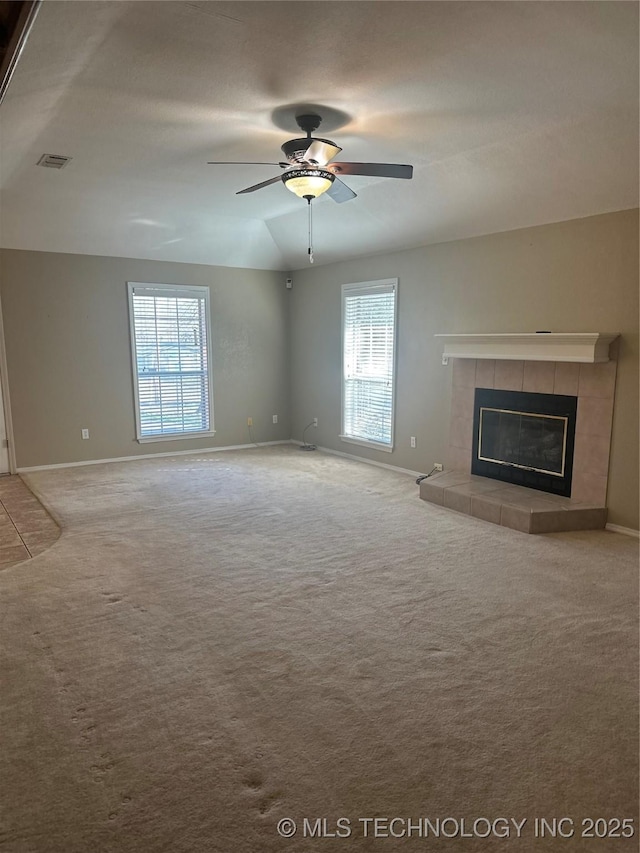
(85, 433)
(315, 422)
(275, 419)
(249, 421)
(437, 466)
(413, 441)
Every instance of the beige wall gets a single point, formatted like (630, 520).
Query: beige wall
(66, 326)
(573, 276)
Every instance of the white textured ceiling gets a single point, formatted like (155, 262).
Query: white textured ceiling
(512, 114)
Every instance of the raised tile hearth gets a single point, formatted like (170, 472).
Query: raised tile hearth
(522, 509)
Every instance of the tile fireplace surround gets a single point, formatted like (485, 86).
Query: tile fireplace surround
(515, 506)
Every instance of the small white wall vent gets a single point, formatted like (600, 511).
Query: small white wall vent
(53, 161)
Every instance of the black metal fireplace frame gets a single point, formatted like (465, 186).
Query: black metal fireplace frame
(527, 403)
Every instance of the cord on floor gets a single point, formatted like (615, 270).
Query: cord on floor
(251, 438)
(304, 445)
(424, 476)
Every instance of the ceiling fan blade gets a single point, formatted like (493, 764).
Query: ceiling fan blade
(340, 192)
(376, 170)
(259, 186)
(241, 163)
(321, 151)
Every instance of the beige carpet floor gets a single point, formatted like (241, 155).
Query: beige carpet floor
(220, 642)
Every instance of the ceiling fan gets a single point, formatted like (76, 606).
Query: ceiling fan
(309, 172)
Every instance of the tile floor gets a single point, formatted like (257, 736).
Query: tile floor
(26, 528)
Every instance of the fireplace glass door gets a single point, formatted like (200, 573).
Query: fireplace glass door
(524, 438)
(532, 442)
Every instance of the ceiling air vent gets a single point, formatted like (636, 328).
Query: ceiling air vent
(53, 161)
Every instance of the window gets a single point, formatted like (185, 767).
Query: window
(368, 359)
(170, 341)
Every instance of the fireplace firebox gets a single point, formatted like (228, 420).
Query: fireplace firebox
(524, 438)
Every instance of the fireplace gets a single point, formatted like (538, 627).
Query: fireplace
(524, 438)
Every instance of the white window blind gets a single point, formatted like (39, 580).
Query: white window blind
(170, 333)
(369, 326)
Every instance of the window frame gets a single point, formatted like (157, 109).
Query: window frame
(367, 288)
(178, 291)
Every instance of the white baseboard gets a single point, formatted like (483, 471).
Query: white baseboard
(150, 456)
(626, 531)
(366, 461)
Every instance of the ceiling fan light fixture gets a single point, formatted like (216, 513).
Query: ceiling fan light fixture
(308, 182)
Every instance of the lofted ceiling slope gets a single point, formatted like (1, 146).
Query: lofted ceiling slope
(512, 114)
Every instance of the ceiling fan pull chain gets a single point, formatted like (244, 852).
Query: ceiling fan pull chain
(310, 249)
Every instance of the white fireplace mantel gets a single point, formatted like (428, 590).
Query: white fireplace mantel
(589, 347)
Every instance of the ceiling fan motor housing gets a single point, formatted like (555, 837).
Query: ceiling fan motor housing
(295, 149)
